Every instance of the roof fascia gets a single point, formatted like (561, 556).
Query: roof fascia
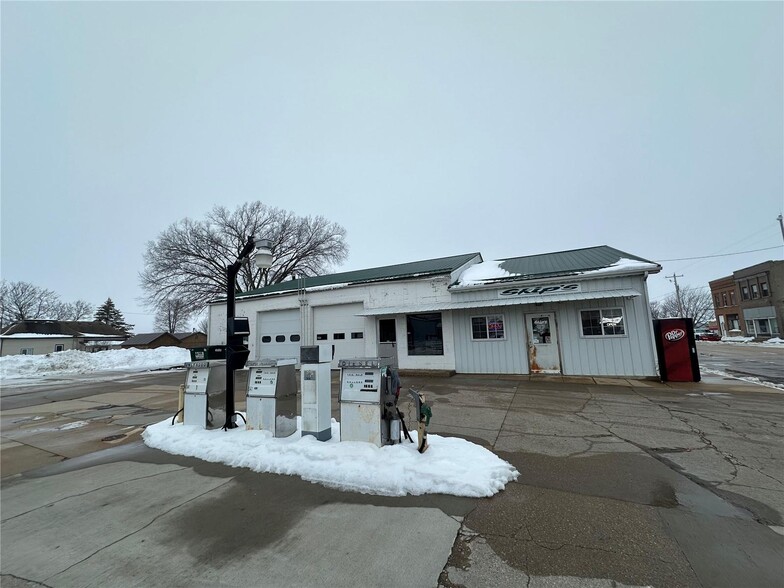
(580, 277)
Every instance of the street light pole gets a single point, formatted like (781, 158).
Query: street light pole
(231, 343)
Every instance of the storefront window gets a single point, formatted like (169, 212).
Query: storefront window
(425, 335)
(750, 331)
(487, 327)
(762, 327)
(602, 322)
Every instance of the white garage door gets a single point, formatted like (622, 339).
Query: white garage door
(339, 326)
(278, 334)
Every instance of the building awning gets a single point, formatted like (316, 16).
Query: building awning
(522, 301)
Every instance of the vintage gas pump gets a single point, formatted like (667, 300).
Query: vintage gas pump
(272, 396)
(205, 393)
(368, 402)
(315, 374)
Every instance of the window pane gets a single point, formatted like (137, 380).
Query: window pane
(495, 326)
(478, 327)
(338, 335)
(280, 338)
(321, 337)
(294, 338)
(266, 339)
(764, 288)
(357, 335)
(774, 326)
(591, 325)
(762, 326)
(425, 334)
(750, 328)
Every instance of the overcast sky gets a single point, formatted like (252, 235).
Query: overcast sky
(426, 130)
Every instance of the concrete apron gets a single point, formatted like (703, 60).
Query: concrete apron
(118, 518)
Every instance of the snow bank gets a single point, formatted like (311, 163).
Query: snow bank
(750, 379)
(737, 339)
(81, 362)
(450, 466)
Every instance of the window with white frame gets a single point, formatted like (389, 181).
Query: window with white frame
(490, 327)
(59, 347)
(602, 322)
(26, 351)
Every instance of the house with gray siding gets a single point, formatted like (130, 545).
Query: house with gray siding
(579, 312)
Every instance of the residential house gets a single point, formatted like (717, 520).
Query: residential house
(42, 336)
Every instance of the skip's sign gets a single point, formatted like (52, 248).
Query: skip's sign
(538, 290)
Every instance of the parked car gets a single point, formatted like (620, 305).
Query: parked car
(706, 335)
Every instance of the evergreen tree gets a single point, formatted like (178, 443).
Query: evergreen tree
(108, 314)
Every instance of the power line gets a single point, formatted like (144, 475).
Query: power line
(721, 254)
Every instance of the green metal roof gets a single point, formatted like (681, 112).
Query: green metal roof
(564, 263)
(428, 267)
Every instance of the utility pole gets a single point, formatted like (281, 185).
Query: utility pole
(781, 224)
(677, 291)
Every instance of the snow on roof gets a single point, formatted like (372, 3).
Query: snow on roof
(481, 273)
(621, 266)
(35, 336)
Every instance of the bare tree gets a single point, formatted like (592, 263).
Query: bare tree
(697, 305)
(23, 301)
(188, 260)
(172, 315)
(72, 311)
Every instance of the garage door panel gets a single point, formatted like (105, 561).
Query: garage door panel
(339, 320)
(278, 333)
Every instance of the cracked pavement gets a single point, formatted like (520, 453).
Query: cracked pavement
(622, 483)
(634, 484)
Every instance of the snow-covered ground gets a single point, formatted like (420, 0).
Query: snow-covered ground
(450, 466)
(63, 363)
(773, 342)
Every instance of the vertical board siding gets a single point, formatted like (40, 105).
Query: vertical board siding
(506, 356)
(630, 355)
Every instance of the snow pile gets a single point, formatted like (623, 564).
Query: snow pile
(737, 339)
(81, 362)
(450, 466)
(774, 341)
(750, 379)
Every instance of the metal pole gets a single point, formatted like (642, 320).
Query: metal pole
(781, 224)
(231, 278)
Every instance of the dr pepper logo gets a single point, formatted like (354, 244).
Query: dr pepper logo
(675, 335)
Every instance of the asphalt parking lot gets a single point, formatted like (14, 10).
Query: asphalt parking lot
(622, 482)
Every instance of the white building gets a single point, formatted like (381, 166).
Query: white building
(580, 312)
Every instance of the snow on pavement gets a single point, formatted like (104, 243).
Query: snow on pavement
(450, 466)
(81, 362)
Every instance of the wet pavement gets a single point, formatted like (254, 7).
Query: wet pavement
(622, 483)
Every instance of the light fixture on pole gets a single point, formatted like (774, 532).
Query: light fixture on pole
(238, 328)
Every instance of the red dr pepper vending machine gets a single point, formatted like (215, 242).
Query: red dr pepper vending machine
(677, 350)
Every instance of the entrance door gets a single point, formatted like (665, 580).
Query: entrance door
(542, 344)
(387, 340)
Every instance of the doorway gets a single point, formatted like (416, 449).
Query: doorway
(543, 356)
(387, 340)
